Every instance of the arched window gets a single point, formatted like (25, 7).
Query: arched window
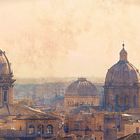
(126, 100)
(20, 128)
(5, 96)
(87, 128)
(135, 101)
(31, 129)
(110, 107)
(118, 127)
(49, 129)
(66, 128)
(40, 129)
(117, 100)
(77, 126)
(99, 127)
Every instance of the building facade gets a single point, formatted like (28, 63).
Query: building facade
(83, 124)
(44, 126)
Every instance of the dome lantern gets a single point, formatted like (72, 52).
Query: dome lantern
(123, 54)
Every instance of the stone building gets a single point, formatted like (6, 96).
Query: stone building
(84, 124)
(117, 125)
(122, 85)
(45, 126)
(81, 92)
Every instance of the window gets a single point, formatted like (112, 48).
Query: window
(117, 103)
(87, 128)
(1, 67)
(137, 130)
(20, 128)
(66, 128)
(40, 129)
(135, 101)
(118, 128)
(99, 127)
(31, 129)
(5, 96)
(49, 129)
(77, 125)
(117, 100)
(126, 100)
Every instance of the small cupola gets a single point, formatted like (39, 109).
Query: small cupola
(123, 54)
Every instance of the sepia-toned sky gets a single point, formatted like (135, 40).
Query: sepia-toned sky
(65, 38)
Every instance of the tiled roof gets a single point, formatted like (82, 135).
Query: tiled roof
(131, 137)
(15, 109)
(37, 117)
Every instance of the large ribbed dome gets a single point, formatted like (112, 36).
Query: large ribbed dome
(81, 87)
(4, 64)
(122, 73)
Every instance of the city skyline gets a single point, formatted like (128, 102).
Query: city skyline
(78, 38)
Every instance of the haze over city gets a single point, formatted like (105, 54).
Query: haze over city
(58, 38)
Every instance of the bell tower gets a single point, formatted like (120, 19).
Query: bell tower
(6, 81)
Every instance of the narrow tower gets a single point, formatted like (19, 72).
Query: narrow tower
(6, 81)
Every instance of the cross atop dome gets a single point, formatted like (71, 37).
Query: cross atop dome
(123, 54)
(123, 45)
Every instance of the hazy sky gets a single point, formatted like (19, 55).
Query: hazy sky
(45, 38)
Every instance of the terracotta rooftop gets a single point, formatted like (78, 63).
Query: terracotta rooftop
(133, 136)
(37, 117)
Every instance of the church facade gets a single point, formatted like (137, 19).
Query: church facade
(122, 86)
